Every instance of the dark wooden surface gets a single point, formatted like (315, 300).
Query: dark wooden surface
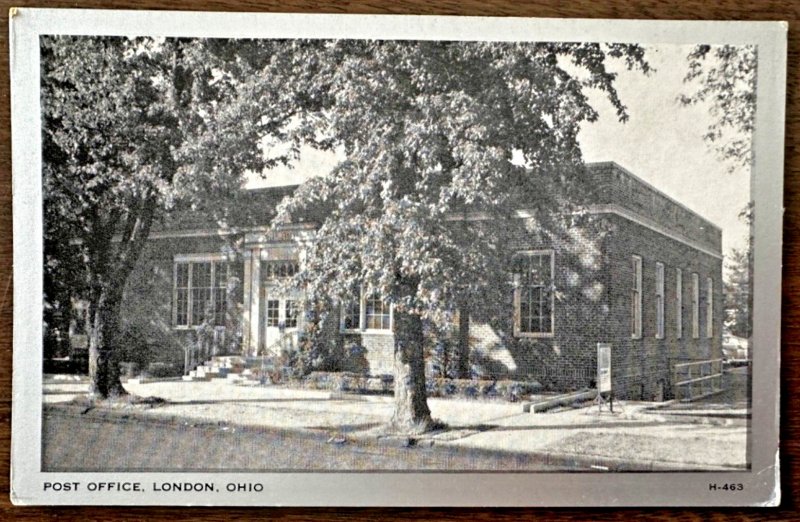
(665, 9)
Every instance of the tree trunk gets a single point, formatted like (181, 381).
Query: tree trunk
(104, 370)
(411, 412)
(462, 351)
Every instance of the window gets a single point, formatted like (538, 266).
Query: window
(695, 306)
(351, 315)
(678, 303)
(220, 289)
(273, 312)
(659, 300)
(636, 297)
(182, 294)
(709, 308)
(291, 314)
(533, 294)
(377, 314)
(366, 313)
(280, 269)
(200, 293)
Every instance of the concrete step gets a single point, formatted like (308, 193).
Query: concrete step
(551, 403)
(228, 361)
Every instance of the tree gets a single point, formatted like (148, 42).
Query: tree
(724, 78)
(430, 131)
(737, 285)
(737, 294)
(133, 128)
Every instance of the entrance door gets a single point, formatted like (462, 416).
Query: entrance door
(281, 317)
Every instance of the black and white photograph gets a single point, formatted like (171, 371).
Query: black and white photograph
(287, 261)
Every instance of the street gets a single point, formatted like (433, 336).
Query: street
(74, 442)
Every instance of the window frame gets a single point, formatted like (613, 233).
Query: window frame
(385, 311)
(695, 306)
(343, 316)
(679, 303)
(362, 318)
(190, 260)
(709, 307)
(517, 319)
(636, 298)
(272, 321)
(295, 309)
(660, 319)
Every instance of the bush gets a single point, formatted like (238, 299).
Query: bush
(163, 369)
(511, 391)
(508, 390)
(347, 382)
(140, 345)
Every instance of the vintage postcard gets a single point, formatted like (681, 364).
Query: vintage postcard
(395, 260)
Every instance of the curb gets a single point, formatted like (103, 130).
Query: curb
(577, 463)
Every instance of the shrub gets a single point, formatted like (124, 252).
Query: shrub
(163, 369)
(511, 391)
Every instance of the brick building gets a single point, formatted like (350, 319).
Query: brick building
(643, 274)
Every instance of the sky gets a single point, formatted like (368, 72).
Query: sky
(661, 143)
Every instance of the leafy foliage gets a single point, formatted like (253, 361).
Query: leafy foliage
(738, 284)
(724, 77)
(132, 129)
(432, 131)
(439, 139)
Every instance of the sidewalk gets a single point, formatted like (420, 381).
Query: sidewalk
(635, 438)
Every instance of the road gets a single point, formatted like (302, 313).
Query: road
(75, 442)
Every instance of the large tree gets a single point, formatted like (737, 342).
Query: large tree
(440, 138)
(133, 128)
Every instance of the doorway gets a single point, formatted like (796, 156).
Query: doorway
(281, 320)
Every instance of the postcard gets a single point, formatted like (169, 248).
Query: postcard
(283, 259)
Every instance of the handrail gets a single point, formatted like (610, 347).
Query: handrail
(695, 379)
(698, 361)
(197, 352)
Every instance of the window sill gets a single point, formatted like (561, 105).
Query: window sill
(370, 331)
(190, 328)
(367, 331)
(532, 335)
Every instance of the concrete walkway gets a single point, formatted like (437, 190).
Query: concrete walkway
(634, 438)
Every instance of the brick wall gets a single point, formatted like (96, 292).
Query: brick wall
(147, 301)
(617, 186)
(592, 281)
(566, 359)
(639, 365)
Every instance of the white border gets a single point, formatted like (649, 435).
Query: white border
(399, 489)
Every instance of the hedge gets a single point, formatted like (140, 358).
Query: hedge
(509, 390)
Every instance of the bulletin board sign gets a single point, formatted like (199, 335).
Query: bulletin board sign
(603, 368)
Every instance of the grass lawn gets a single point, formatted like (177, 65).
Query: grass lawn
(662, 449)
(74, 442)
